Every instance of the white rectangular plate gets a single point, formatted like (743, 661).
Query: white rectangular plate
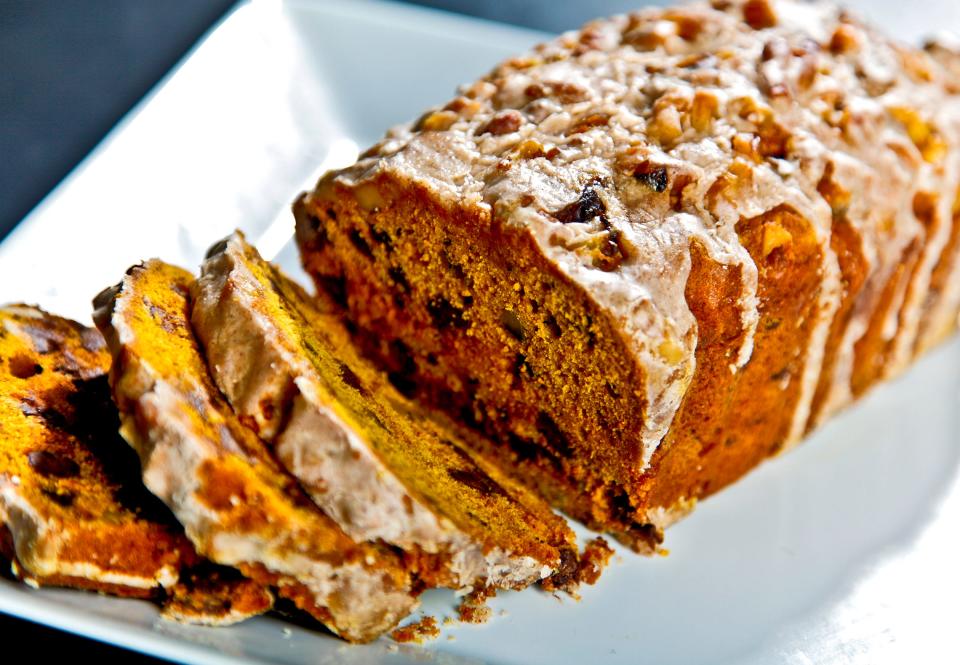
(843, 551)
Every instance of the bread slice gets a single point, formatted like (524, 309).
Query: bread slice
(365, 453)
(74, 509)
(236, 504)
(652, 253)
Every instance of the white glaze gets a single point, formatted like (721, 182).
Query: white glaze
(875, 160)
(252, 359)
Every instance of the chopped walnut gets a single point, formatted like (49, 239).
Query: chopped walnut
(845, 39)
(665, 127)
(704, 110)
(775, 236)
(437, 121)
(504, 122)
(759, 14)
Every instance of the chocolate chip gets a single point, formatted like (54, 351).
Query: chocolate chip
(478, 480)
(445, 314)
(584, 209)
(52, 465)
(654, 177)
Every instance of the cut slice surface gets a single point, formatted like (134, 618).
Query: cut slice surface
(236, 504)
(364, 452)
(71, 498)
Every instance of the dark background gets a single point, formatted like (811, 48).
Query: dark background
(70, 69)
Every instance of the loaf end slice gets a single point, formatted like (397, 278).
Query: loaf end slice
(74, 509)
(236, 504)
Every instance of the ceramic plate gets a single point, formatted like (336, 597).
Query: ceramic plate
(845, 550)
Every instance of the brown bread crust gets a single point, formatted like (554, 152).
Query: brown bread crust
(678, 239)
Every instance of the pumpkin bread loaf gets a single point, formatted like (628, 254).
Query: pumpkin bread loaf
(236, 504)
(72, 505)
(364, 453)
(649, 254)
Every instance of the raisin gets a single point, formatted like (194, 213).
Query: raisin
(553, 435)
(52, 465)
(351, 379)
(524, 449)
(361, 243)
(654, 177)
(445, 314)
(399, 278)
(584, 209)
(382, 237)
(405, 385)
(22, 366)
(522, 368)
(335, 286)
(478, 480)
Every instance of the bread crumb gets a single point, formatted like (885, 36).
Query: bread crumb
(417, 632)
(596, 556)
(473, 608)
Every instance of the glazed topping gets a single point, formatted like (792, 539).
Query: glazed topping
(617, 145)
(368, 457)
